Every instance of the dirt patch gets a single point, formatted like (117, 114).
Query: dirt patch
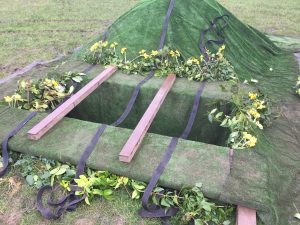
(12, 218)
(15, 185)
(14, 201)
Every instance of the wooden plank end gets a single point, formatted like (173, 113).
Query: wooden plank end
(245, 216)
(125, 159)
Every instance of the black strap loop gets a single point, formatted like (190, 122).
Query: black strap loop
(213, 26)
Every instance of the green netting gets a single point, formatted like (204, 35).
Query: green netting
(253, 55)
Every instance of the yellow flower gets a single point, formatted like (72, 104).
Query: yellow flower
(48, 82)
(252, 95)
(254, 113)
(103, 44)
(114, 44)
(17, 97)
(55, 83)
(177, 53)
(94, 47)
(298, 82)
(146, 56)
(201, 58)
(123, 50)
(8, 99)
(222, 48)
(250, 140)
(142, 52)
(189, 62)
(259, 104)
(192, 60)
(196, 61)
(172, 53)
(154, 53)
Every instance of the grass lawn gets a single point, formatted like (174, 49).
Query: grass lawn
(42, 29)
(271, 16)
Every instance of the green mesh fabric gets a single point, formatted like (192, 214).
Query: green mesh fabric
(253, 55)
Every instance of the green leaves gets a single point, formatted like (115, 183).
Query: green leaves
(56, 172)
(166, 61)
(192, 204)
(138, 189)
(77, 79)
(44, 94)
(61, 169)
(29, 179)
(248, 113)
(34, 170)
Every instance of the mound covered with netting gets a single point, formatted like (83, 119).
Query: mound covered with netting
(253, 56)
(251, 53)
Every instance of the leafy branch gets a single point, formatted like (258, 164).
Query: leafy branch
(164, 62)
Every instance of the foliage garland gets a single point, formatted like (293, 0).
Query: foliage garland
(193, 206)
(164, 62)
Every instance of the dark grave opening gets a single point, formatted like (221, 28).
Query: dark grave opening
(108, 102)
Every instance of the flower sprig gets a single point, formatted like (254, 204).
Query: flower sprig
(192, 205)
(43, 94)
(164, 62)
(249, 112)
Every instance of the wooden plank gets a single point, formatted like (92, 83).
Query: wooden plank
(141, 129)
(245, 216)
(53, 118)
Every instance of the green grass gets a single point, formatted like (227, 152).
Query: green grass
(42, 29)
(270, 16)
(17, 206)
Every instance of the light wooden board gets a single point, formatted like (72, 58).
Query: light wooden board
(60, 112)
(245, 216)
(141, 129)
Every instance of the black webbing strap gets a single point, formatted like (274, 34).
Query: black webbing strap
(6, 139)
(166, 24)
(88, 151)
(69, 201)
(203, 46)
(152, 210)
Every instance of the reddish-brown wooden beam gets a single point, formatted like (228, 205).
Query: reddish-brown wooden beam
(245, 216)
(53, 118)
(141, 129)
